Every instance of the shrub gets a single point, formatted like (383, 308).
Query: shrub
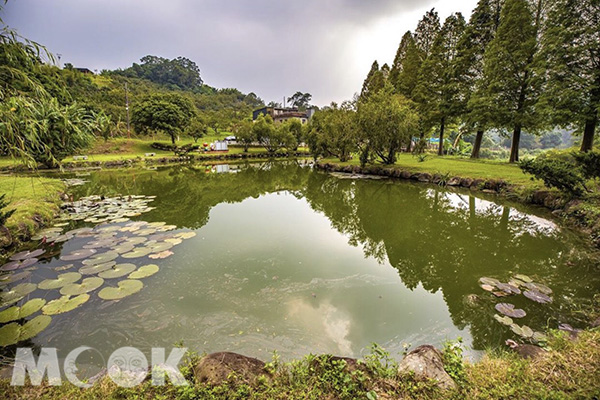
(4, 215)
(590, 163)
(561, 173)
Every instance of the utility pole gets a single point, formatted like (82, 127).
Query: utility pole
(127, 109)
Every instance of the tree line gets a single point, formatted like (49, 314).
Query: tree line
(516, 66)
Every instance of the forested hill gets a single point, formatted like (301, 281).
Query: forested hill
(105, 91)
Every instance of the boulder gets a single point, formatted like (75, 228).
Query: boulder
(406, 174)
(426, 363)
(425, 177)
(466, 182)
(217, 368)
(455, 181)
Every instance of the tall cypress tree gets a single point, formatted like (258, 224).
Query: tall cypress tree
(426, 32)
(570, 60)
(437, 91)
(479, 32)
(397, 65)
(373, 82)
(507, 99)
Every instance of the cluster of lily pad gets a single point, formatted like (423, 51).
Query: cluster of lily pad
(518, 284)
(100, 266)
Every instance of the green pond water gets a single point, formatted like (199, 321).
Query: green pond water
(290, 259)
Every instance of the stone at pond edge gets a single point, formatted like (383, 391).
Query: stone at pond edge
(527, 351)
(218, 368)
(426, 363)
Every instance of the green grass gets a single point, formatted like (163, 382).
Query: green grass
(569, 370)
(458, 166)
(34, 199)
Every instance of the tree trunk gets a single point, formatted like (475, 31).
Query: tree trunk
(588, 134)
(477, 144)
(173, 139)
(409, 146)
(441, 146)
(514, 148)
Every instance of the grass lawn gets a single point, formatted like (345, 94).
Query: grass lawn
(35, 200)
(458, 166)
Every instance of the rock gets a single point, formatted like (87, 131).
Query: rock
(426, 363)
(424, 177)
(527, 351)
(539, 196)
(406, 175)
(596, 323)
(466, 182)
(5, 237)
(455, 181)
(217, 368)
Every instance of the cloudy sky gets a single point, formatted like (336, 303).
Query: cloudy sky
(271, 47)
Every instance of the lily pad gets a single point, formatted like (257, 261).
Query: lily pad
(503, 320)
(14, 333)
(144, 271)
(523, 278)
(86, 286)
(189, 235)
(16, 313)
(11, 278)
(174, 241)
(537, 296)
(24, 255)
(538, 287)
(500, 294)
(159, 247)
(161, 255)
(510, 310)
(125, 288)
(64, 304)
(17, 292)
(487, 288)
(78, 255)
(137, 253)
(486, 281)
(136, 240)
(10, 266)
(28, 263)
(508, 288)
(101, 258)
(60, 281)
(96, 269)
(117, 271)
(539, 337)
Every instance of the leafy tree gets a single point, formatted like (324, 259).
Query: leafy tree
(508, 99)
(404, 75)
(570, 60)
(196, 129)
(244, 133)
(374, 81)
(296, 129)
(437, 92)
(169, 113)
(386, 121)
(426, 32)
(334, 132)
(272, 137)
(178, 73)
(300, 100)
(478, 33)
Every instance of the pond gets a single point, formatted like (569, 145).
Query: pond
(291, 259)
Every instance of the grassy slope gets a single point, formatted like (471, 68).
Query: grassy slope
(34, 199)
(457, 166)
(568, 371)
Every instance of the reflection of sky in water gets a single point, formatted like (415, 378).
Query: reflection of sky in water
(530, 223)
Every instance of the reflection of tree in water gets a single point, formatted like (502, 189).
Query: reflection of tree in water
(447, 241)
(186, 194)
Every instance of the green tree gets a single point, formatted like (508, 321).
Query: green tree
(404, 75)
(426, 32)
(373, 82)
(244, 133)
(167, 113)
(478, 33)
(178, 73)
(569, 58)
(272, 137)
(386, 122)
(300, 100)
(507, 100)
(437, 92)
(196, 129)
(334, 132)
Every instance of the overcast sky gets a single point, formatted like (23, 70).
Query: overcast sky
(271, 47)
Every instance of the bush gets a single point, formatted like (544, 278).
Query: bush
(561, 173)
(4, 215)
(590, 163)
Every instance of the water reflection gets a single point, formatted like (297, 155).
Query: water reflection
(292, 259)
